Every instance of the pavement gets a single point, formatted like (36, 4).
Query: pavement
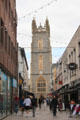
(42, 114)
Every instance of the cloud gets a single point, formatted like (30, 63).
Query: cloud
(64, 19)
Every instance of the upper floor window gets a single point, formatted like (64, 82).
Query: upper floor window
(1, 31)
(40, 44)
(40, 62)
(79, 54)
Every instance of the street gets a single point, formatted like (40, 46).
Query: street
(42, 114)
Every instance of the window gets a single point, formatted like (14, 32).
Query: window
(79, 54)
(40, 62)
(41, 85)
(6, 38)
(0, 83)
(11, 50)
(6, 4)
(1, 31)
(9, 45)
(40, 44)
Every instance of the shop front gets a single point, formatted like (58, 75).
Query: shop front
(14, 91)
(5, 94)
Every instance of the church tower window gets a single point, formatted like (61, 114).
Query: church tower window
(40, 62)
(40, 44)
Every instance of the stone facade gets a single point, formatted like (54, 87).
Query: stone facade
(23, 71)
(71, 55)
(41, 59)
(68, 71)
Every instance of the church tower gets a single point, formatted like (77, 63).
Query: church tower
(41, 59)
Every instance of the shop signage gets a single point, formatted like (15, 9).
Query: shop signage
(72, 66)
(20, 82)
(60, 82)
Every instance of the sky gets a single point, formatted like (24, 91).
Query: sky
(63, 16)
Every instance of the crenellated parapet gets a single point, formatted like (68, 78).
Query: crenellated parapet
(40, 28)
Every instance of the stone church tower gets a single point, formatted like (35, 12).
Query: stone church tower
(41, 59)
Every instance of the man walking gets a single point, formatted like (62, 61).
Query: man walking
(27, 103)
(54, 104)
(34, 103)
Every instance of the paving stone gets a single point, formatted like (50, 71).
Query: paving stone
(42, 114)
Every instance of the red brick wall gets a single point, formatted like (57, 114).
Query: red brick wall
(8, 59)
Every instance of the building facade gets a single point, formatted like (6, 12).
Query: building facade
(23, 71)
(41, 59)
(8, 56)
(68, 70)
(53, 77)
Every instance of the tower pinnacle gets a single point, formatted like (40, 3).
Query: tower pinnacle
(34, 27)
(47, 26)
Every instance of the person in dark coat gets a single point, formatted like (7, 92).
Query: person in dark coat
(54, 104)
(34, 104)
(22, 106)
(40, 102)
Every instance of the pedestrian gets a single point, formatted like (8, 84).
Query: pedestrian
(72, 106)
(54, 104)
(44, 104)
(27, 104)
(40, 102)
(22, 104)
(60, 104)
(34, 103)
(16, 104)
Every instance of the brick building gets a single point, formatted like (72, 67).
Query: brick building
(8, 55)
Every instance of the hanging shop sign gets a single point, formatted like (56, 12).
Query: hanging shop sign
(20, 81)
(60, 82)
(72, 66)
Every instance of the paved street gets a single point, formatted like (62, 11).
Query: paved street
(42, 115)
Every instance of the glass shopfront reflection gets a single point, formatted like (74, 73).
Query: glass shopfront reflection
(5, 94)
(9, 96)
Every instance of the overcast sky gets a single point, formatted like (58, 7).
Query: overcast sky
(64, 19)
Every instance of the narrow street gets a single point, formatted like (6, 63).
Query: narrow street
(42, 115)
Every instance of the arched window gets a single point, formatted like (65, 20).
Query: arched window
(40, 44)
(41, 85)
(40, 62)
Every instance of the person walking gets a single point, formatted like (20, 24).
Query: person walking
(40, 102)
(16, 104)
(22, 104)
(27, 103)
(44, 104)
(54, 104)
(34, 103)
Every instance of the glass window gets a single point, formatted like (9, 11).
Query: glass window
(40, 44)
(41, 85)
(40, 62)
